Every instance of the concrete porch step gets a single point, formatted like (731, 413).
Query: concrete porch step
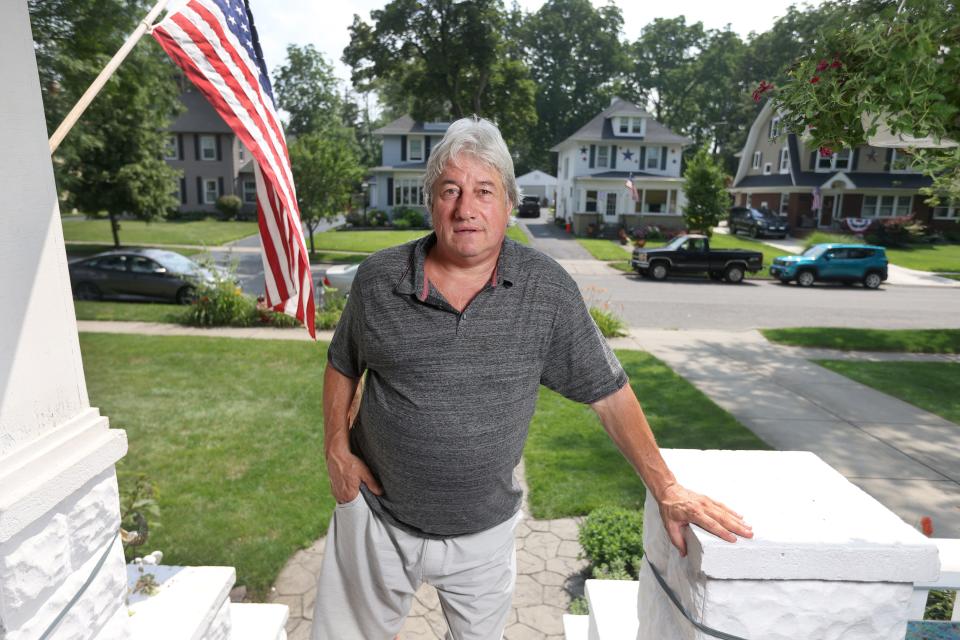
(191, 603)
(575, 627)
(258, 621)
(613, 609)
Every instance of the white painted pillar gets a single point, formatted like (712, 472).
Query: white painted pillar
(827, 560)
(58, 491)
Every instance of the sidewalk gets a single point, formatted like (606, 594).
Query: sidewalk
(906, 458)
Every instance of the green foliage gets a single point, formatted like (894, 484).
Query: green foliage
(894, 64)
(328, 315)
(229, 207)
(705, 188)
(822, 237)
(220, 304)
(904, 340)
(939, 604)
(377, 218)
(306, 88)
(609, 324)
(401, 223)
(612, 539)
(579, 606)
(139, 506)
(413, 217)
(896, 232)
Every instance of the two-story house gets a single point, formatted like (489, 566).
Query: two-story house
(622, 143)
(783, 172)
(398, 181)
(213, 160)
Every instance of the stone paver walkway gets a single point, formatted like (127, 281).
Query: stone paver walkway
(549, 575)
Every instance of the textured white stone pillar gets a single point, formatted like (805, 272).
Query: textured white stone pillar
(58, 489)
(827, 560)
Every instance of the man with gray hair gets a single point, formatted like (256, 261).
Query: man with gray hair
(455, 333)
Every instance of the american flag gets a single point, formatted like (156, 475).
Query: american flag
(633, 189)
(817, 200)
(215, 43)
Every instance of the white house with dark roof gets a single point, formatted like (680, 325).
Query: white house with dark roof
(398, 181)
(621, 143)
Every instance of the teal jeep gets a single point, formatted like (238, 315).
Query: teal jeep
(847, 263)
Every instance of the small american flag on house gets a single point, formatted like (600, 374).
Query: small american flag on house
(215, 43)
(633, 189)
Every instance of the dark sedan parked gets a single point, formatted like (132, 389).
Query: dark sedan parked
(757, 222)
(139, 273)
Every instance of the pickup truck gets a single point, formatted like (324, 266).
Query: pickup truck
(692, 254)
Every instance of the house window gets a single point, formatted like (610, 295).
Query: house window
(566, 168)
(603, 156)
(636, 125)
(407, 191)
(655, 201)
(785, 160)
(591, 204)
(775, 127)
(241, 152)
(767, 169)
(757, 158)
(900, 160)
(171, 150)
(250, 191)
(415, 148)
(624, 125)
(784, 203)
(876, 206)
(653, 157)
(211, 191)
(946, 211)
(208, 147)
(611, 209)
(837, 162)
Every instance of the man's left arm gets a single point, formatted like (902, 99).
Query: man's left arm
(624, 421)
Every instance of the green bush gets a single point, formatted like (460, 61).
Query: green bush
(951, 235)
(401, 224)
(820, 237)
(612, 540)
(609, 324)
(939, 604)
(229, 207)
(221, 304)
(897, 232)
(354, 219)
(139, 509)
(414, 219)
(376, 218)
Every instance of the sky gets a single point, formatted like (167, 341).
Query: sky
(324, 24)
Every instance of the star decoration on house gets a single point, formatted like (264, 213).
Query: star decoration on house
(628, 155)
(583, 150)
(872, 155)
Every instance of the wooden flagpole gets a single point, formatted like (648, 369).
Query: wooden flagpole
(101, 79)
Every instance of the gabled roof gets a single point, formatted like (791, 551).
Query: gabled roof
(537, 177)
(406, 124)
(600, 128)
(199, 116)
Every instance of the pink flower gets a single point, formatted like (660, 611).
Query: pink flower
(836, 64)
(822, 65)
(759, 91)
(814, 79)
(826, 152)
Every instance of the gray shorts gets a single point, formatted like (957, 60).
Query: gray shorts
(371, 571)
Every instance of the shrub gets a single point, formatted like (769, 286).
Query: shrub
(897, 232)
(414, 219)
(139, 509)
(354, 219)
(229, 207)
(612, 540)
(939, 605)
(820, 237)
(401, 223)
(951, 235)
(221, 304)
(376, 218)
(609, 324)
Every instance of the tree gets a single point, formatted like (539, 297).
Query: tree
(326, 173)
(575, 56)
(112, 159)
(884, 65)
(307, 89)
(704, 186)
(444, 60)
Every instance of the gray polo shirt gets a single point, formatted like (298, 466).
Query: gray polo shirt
(449, 395)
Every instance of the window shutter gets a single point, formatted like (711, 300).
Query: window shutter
(613, 156)
(390, 191)
(887, 162)
(593, 155)
(219, 155)
(813, 161)
(403, 148)
(663, 158)
(856, 159)
(643, 158)
(196, 145)
(426, 148)
(219, 185)
(183, 191)
(179, 146)
(199, 190)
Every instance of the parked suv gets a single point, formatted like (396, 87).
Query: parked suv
(756, 222)
(847, 263)
(529, 207)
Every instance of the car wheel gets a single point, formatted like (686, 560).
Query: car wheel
(805, 278)
(186, 295)
(872, 280)
(88, 291)
(659, 271)
(733, 274)
(753, 232)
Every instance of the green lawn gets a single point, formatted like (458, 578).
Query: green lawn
(927, 257)
(932, 386)
(230, 433)
(906, 340)
(572, 466)
(336, 257)
(207, 232)
(516, 233)
(606, 250)
(371, 241)
(128, 311)
(84, 250)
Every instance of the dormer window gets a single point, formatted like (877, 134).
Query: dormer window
(415, 149)
(839, 161)
(630, 125)
(785, 160)
(775, 127)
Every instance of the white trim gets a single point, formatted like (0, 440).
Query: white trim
(212, 139)
(655, 156)
(206, 191)
(842, 177)
(752, 139)
(833, 162)
(774, 127)
(785, 160)
(953, 212)
(757, 159)
(879, 204)
(252, 191)
(410, 157)
(767, 169)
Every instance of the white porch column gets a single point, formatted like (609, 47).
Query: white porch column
(58, 491)
(827, 560)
